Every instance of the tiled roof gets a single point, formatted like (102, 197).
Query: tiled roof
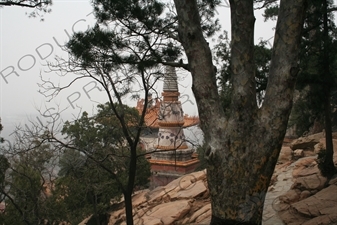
(151, 116)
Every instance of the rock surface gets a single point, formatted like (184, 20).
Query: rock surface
(298, 194)
(306, 143)
(183, 201)
(312, 199)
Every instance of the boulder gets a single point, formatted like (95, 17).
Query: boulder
(302, 164)
(186, 199)
(290, 217)
(310, 182)
(285, 155)
(306, 143)
(204, 217)
(198, 189)
(306, 171)
(199, 214)
(146, 221)
(186, 182)
(322, 220)
(318, 147)
(168, 212)
(305, 194)
(140, 198)
(298, 153)
(322, 143)
(322, 203)
(292, 195)
(318, 209)
(156, 194)
(117, 216)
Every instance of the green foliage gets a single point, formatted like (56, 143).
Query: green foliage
(138, 33)
(271, 12)
(103, 131)
(95, 171)
(222, 58)
(83, 188)
(25, 188)
(262, 57)
(4, 165)
(101, 138)
(308, 108)
(312, 81)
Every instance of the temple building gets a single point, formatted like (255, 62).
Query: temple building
(170, 156)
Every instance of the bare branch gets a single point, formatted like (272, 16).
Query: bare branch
(25, 3)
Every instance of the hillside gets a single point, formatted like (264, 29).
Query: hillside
(298, 194)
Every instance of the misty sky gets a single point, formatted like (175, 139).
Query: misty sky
(26, 44)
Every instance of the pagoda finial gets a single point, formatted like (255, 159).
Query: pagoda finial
(170, 80)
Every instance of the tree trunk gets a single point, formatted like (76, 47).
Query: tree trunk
(130, 184)
(243, 148)
(128, 208)
(328, 164)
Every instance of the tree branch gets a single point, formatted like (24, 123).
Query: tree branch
(23, 4)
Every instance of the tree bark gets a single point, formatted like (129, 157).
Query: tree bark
(243, 148)
(130, 185)
(128, 208)
(328, 165)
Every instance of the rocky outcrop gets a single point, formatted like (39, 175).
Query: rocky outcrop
(183, 201)
(318, 209)
(285, 155)
(312, 200)
(298, 194)
(306, 143)
(310, 145)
